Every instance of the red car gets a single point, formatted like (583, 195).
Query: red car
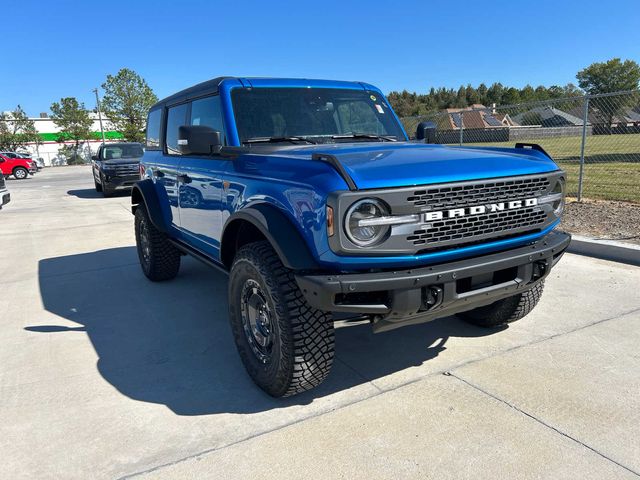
(13, 164)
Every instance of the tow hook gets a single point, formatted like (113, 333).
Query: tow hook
(539, 269)
(432, 297)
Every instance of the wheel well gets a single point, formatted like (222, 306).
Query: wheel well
(237, 234)
(137, 199)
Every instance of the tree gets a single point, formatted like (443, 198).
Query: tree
(608, 77)
(74, 123)
(16, 130)
(511, 96)
(127, 99)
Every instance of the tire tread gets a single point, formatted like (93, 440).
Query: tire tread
(505, 311)
(165, 257)
(308, 358)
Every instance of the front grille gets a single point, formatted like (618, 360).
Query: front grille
(489, 224)
(1, 181)
(443, 216)
(478, 193)
(125, 170)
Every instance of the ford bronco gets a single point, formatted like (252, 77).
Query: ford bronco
(311, 197)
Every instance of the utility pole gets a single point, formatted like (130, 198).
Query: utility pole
(95, 90)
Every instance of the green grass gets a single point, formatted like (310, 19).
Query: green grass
(612, 164)
(605, 181)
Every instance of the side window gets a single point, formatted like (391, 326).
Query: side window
(176, 117)
(153, 129)
(208, 112)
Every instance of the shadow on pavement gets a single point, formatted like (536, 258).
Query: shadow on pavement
(91, 193)
(169, 343)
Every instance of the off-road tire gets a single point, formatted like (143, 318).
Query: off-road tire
(303, 337)
(20, 173)
(98, 185)
(506, 310)
(163, 259)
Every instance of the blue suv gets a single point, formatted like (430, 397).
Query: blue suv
(309, 194)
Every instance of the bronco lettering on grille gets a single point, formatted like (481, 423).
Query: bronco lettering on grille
(478, 209)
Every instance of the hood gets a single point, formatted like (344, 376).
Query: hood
(382, 165)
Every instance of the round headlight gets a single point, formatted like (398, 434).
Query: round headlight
(361, 232)
(558, 205)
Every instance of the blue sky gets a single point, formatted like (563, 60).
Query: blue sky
(53, 50)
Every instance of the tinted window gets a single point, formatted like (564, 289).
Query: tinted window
(317, 113)
(208, 112)
(176, 118)
(113, 152)
(153, 129)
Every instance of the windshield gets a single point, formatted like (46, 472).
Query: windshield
(315, 114)
(122, 151)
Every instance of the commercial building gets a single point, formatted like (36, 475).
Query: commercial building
(49, 148)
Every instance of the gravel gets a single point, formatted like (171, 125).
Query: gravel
(603, 219)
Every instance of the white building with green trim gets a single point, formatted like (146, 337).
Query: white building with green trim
(49, 148)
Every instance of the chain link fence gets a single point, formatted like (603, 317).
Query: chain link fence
(594, 138)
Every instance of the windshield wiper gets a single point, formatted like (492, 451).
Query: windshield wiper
(278, 140)
(368, 136)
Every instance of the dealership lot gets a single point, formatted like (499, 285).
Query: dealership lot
(106, 375)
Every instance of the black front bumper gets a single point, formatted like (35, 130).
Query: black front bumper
(398, 298)
(121, 181)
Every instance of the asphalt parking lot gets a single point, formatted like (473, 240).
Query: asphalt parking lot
(106, 375)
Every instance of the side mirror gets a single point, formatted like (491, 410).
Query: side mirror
(426, 131)
(199, 140)
(94, 157)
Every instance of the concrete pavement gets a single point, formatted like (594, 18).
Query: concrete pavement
(105, 375)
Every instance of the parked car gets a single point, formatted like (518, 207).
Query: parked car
(317, 203)
(116, 165)
(39, 161)
(12, 163)
(5, 196)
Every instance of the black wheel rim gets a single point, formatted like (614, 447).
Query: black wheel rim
(257, 320)
(145, 244)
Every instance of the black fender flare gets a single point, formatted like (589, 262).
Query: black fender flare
(277, 229)
(144, 192)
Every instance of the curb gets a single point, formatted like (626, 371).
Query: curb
(605, 250)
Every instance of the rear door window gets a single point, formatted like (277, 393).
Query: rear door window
(153, 129)
(176, 117)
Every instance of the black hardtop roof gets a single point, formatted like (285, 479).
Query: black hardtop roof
(208, 87)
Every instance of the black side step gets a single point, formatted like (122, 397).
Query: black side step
(198, 255)
(335, 163)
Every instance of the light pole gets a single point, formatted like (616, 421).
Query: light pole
(95, 90)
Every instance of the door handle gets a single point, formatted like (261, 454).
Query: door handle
(184, 178)
(158, 174)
